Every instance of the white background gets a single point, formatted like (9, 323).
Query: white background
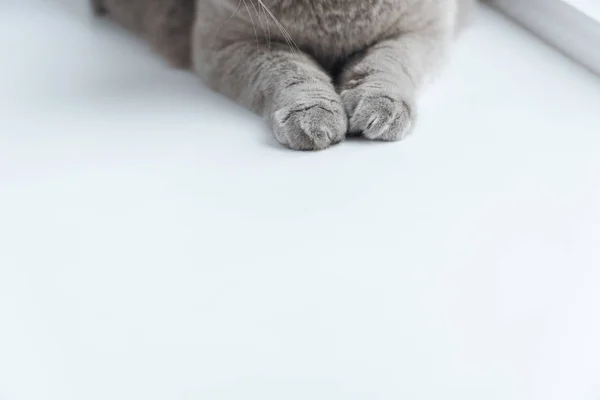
(156, 243)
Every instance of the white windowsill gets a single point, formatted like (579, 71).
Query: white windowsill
(572, 26)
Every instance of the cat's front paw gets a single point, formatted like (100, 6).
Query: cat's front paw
(378, 115)
(310, 124)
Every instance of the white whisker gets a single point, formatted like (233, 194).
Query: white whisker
(287, 37)
(231, 16)
(252, 21)
(258, 16)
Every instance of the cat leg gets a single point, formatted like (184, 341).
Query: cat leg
(379, 88)
(293, 93)
(169, 24)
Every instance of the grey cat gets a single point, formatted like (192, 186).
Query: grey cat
(316, 70)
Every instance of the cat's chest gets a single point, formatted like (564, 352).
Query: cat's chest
(333, 29)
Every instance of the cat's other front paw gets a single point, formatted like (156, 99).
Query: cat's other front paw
(378, 115)
(310, 124)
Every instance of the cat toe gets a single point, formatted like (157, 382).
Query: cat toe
(310, 126)
(378, 116)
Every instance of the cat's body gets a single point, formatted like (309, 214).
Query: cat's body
(315, 69)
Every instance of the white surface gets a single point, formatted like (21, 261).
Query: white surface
(572, 26)
(157, 244)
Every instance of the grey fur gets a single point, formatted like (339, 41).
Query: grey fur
(316, 70)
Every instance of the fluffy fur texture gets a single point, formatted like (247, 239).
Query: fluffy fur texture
(316, 70)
